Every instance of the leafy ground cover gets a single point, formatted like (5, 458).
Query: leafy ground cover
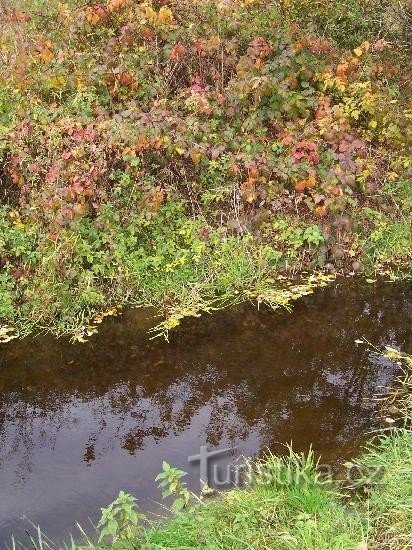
(185, 154)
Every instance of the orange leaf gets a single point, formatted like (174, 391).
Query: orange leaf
(300, 186)
(19, 16)
(125, 79)
(177, 51)
(320, 211)
(45, 51)
(94, 14)
(113, 5)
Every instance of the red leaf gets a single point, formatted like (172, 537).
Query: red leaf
(53, 174)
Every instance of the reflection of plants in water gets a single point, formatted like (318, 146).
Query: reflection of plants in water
(125, 413)
(25, 426)
(245, 374)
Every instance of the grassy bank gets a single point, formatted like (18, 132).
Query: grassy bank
(288, 503)
(297, 510)
(188, 154)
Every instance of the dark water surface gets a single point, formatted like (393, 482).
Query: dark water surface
(79, 423)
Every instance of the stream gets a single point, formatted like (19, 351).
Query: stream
(80, 422)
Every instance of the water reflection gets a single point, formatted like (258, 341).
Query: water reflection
(79, 423)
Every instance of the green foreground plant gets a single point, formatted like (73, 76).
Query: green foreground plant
(170, 482)
(120, 520)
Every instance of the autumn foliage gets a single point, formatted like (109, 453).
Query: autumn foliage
(236, 110)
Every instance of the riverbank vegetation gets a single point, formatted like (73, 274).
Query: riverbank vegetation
(185, 155)
(288, 503)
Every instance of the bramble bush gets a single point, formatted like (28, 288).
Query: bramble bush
(170, 153)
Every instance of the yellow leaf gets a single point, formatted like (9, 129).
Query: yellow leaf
(196, 157)
(57, 82)
(366, 46)
(251, 196)
(79, 338)
(373, 124)
(150, 14)
(358, 52)
(165, 16)
(180, 150)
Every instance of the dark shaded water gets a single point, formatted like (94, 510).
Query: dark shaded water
(79, 423)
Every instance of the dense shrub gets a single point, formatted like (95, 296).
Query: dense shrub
(121, 121)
